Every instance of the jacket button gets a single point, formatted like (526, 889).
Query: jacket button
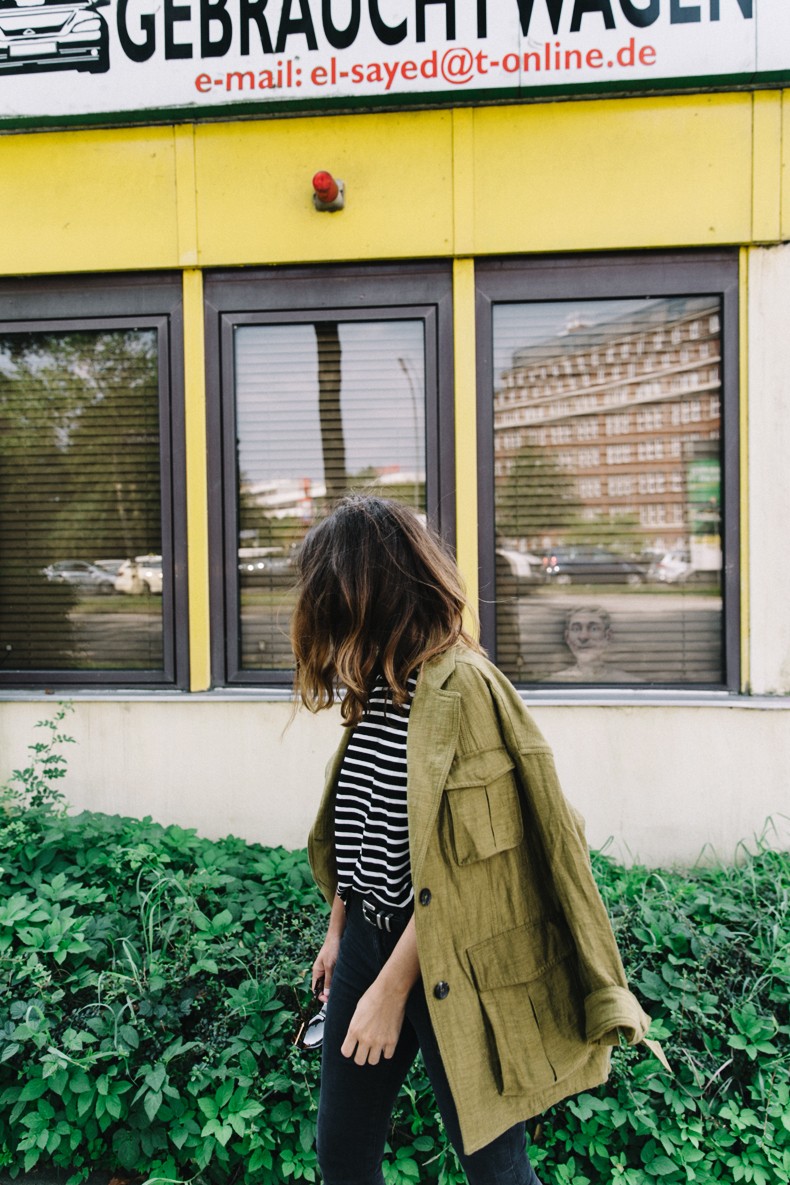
(425, 896)
(441, 990)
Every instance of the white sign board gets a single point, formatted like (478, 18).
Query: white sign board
(128, 61)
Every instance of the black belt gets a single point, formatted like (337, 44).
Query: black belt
(381, 918)
(376, 915)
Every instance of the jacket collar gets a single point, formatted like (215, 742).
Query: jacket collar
(437, 671)
(434, 721)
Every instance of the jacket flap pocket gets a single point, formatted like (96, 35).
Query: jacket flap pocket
(478, 769)
(519, 955)
(485, 815)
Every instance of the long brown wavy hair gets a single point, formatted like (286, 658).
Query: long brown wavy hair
(377, 593)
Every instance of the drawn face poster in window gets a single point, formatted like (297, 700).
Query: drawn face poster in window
(323, 408)
(607, 474)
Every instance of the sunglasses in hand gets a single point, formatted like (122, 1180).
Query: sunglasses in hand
(311, 1030)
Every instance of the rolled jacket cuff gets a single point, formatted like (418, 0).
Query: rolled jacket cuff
(611, 1011)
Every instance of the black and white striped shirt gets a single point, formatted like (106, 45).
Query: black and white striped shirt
(371, 827)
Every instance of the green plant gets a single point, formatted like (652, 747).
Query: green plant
(33, 785)
(708, 951)
(151, 980)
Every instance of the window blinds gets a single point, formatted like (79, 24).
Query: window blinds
(323, 407)
(79, 497)
(607, 443)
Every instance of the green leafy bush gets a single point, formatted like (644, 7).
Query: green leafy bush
(152, 980)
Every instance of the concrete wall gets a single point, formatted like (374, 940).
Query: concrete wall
(664, 783)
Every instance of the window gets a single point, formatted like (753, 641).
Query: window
(323, 382)
(613, 565)
(90, 455)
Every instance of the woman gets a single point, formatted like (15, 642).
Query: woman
(464, 921)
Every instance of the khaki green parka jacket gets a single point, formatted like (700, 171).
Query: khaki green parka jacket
(523, 978)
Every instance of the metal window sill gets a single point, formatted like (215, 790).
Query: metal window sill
(533, 698)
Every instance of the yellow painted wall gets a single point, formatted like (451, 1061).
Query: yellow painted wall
(785, 167)
(701, 170)
(255, 198)
(88, 201)
(652, 172)
(649, 172)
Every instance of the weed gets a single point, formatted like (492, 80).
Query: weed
(151, 980)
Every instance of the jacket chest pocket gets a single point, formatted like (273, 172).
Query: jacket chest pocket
(484, 805)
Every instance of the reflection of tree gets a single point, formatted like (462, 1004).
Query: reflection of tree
(111, 502)
(255, 525)
(79, 414)
(329, 412)
(536, 498)
(411, 493)
(80, 470)
(626, 533)
(620, 533)
(258, 527)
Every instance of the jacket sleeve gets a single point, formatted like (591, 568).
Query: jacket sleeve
(610, 1008)
(320, 841)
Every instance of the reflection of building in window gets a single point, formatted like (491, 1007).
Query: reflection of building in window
(588, 636)
(648, 385)
(286, 497)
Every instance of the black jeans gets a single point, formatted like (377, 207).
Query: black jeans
(357, 1101)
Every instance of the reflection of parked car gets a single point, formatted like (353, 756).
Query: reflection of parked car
(591, 565)
(265, 565)
(140, 575)
(80, 574)
(674, 567)
(110, 566)
(150, 567)
(53, 34)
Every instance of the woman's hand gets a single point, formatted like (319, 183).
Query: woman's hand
(375, 1026)
(324, 967)
(378, 1018)
(326, 959)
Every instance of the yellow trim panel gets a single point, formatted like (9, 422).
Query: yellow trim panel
(464, 359)
(88, 201)
(690, 170)
(197, 485)
(767, 167)
(255, 195)
(614, 174)
(186, 196)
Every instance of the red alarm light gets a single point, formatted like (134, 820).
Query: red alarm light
(325, 186)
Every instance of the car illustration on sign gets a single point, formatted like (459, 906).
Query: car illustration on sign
(53, 35)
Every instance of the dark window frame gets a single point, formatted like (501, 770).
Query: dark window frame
(141, 301)
(615, 275)
(267, 295)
